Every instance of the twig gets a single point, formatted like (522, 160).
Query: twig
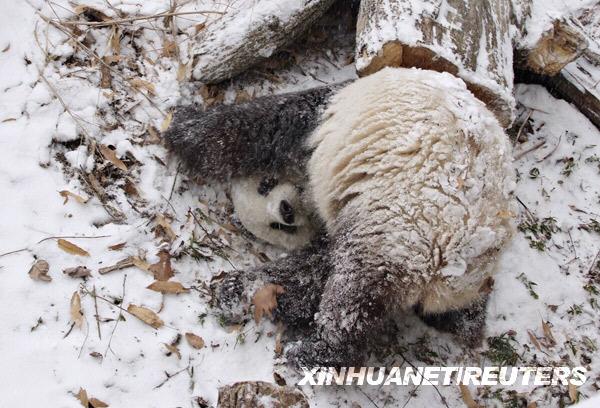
(138, 18)
(434, 386)
(118, 319)
(174, 181)
(593, 262)
(368, 397)
(531, 149)
(14, 252)
(169, 376)
(523, 125)
(97, 315)
(47, 238)
(552, 151)
(526, 209)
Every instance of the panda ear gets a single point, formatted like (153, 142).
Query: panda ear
(266, 185)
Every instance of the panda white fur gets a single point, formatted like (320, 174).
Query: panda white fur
(412, 177)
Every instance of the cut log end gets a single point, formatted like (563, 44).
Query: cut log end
(557, 47)
(395, 54)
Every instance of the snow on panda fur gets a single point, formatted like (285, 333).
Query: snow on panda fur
(421, 170)
(411, 175)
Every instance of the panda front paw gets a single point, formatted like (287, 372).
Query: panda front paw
(319, 353)
(227, 290)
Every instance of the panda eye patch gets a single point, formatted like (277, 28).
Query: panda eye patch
(287, 212)
(266, 185)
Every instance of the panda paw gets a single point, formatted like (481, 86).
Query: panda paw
(319, 353)
(227, 296)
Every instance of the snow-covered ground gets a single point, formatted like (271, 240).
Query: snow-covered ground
(67, 98)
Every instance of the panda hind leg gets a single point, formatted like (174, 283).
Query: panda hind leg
(467, 324)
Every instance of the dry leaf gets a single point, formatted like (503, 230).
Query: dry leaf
(467, 398)
(105, 78)
(199, 27)
(265, 300)
(195, 341)
(66, 194)
(83, 398)
(117, 247)
(169, 48)
(166, 226)
(76, 314)
(181, 72)
(173, 349)
(115, 40)
(278, 344)
(548, 333)
(111, 156)
(532, 405)
(39, 271)
(91, 14)
(71, 248)
(130, 188)
(77, 272)
(162, 269)
(96, 403)
(168, 287)
(534, 340)
(573, 392)
(145, 315)
(166, 122)
(140, 84)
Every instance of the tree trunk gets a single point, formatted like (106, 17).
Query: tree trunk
(250, 34)
(468, 38)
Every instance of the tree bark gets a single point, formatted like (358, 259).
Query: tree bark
(469, 38)
(250, 34)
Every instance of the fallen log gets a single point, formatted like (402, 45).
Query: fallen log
(252, 33)
(468, 38)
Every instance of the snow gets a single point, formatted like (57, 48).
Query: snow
(43, 365)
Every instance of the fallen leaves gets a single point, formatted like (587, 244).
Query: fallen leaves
(77, 272)
(265, 300)
(162, 269)
(89, 402)
(76, 313)
(140, 84)
(111, 156)
(171, 287)
(166, 122)
(145, 315)
(195, 341)
(174, 350)
(117, 247)
(71, 248)
(67, 194)
(467, 398)
(39, 271)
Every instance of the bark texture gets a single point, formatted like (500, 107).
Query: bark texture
(468, 38)
(252, 33)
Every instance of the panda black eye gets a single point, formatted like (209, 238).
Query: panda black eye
(266, 185)
(286, 211)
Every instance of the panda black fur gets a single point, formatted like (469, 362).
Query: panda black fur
(411, 176)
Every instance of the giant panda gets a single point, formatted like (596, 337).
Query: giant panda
(411, 178)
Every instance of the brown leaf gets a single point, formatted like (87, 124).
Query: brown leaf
(90, 14)
(168, 287)
(71, 248)
(195, 341)
(117, 247)
(115, 40)
(162, 269)
(66, 194)
(96, 403)
(181, 72)
(173, 349)
(467, 398)
(534, 340)
(166, 121)
(199, 27)
(265, 300)
(83, 398)
(548, 333)
(76, 314)
(140, 84)
(169, 48)
(278, 344)
(130, 188)
(105, 77)
(39, 271)
(77, 272)
(111, 156)
(140, 263)
(145, 315)
(166, 226)
(573, 392)
(532, 405)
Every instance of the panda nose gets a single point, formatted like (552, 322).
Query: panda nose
(286, 211)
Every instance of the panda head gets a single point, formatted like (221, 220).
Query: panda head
(272, 210)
